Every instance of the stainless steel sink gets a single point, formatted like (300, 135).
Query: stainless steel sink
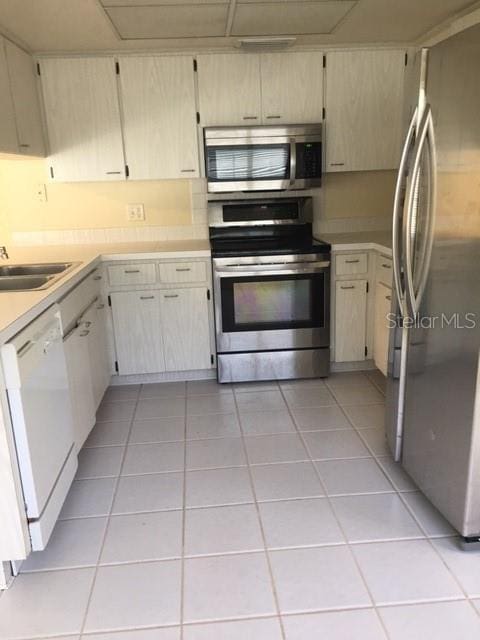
(32, 277)
(24, 283)
(34, 269)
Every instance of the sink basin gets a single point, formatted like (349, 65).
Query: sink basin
(32, 277)
(34, 269)
(24, 283)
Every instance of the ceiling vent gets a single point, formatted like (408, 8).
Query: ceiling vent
(265, 44)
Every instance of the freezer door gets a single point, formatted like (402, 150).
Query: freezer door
(441, 449)
(414, 105)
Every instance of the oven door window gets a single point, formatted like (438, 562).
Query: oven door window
(248, 162)
(273, 302)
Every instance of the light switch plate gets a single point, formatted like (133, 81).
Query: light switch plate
(135, 212)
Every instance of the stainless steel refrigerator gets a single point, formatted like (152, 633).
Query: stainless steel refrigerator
(433, 391)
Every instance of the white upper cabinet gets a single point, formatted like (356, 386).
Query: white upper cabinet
(160, 130)
(26, 102)
(364, 103)
(83, 119)
(229, 89)
(8, 134)
(249, 89)
(292, 87)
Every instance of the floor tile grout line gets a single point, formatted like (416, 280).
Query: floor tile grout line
(352, 555)
(184, 504)
(262, 530)
(104, 538)
(399, 493)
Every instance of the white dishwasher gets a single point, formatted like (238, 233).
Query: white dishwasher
(38, 395)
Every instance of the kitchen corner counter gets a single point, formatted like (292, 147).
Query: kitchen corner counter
(19, 308)
(366, 240)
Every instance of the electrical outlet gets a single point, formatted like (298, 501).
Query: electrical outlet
(135, 212)
(41, 192)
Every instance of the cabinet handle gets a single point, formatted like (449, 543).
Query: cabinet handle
(387, 266)
(132, 271)
(352, 261)
(83, 334)
(97, 277)
(388, 297)
(175, 295)
(273, 117)
(101, 306)
(337, 164)
(113, 173)
(86, 324)
(147, 297)
(250, 117)
(350, 287)
(187, 171)
(186, 269)
(24, 146)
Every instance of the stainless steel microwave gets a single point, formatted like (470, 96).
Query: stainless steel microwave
(263, 158)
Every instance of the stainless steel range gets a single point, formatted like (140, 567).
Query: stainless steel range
(271, 283)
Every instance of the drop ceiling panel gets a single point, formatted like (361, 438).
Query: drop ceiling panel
(399, 21)
(155, 3)
(291, 18)
(173, 21)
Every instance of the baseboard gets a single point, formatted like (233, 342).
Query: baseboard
(362, 365)
(169, 376)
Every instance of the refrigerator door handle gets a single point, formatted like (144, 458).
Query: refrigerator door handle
(425, 134)
(397, 220)
(432, 207)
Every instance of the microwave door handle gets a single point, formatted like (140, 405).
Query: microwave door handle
(293, 161)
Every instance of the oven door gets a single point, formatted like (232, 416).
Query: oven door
(261, 306)
(233, 164)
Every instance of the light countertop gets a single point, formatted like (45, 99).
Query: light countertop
(19, 308)
(364, 240)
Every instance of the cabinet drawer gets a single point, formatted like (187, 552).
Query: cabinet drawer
(132, 274)
(183, 272)
(384, 270)
(351, 264)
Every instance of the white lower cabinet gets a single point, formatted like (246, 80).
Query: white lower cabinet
(138, 332)
(81, 390)
(383, 301)
(157, 331)
(350, 320)
(93, 322)
(186, 335)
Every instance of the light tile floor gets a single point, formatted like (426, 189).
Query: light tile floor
(263, 511)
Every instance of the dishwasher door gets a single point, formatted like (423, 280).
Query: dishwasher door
(39, 400)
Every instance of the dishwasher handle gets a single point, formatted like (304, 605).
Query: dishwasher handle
(21, 358)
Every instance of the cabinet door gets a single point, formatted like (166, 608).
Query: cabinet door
(81, 390)
(185, 327)
(292, 87)
(8, 132)
(229, 89)
(83, 119)
(383, 298)
(138, 332)
(364, 101)
(92, 321)
(26, 102)
(158, 98)
(350, 320)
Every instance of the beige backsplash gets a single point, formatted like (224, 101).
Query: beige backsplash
(175, 209)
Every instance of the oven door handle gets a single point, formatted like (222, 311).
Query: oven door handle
(231, 272)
